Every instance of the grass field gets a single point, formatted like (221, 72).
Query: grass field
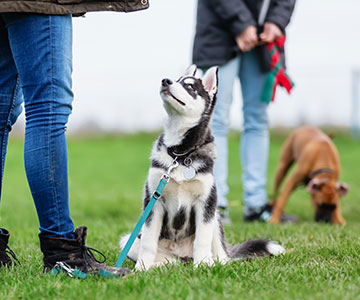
(106, 181)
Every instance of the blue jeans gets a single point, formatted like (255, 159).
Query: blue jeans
(255, 136)
(36, 68)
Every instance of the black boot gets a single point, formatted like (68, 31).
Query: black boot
(74, 253)
(5, 259)
(263, 214)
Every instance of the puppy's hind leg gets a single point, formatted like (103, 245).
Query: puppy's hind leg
(205, 222)
(219, 248)
(150, 238)
(134, 250)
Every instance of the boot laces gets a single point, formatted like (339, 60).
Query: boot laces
(88, 255)
(12, 253)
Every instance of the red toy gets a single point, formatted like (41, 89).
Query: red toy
(277, 75)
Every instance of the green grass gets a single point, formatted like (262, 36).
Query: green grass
(106, 176)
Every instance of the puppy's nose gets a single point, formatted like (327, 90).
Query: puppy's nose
(166, 82)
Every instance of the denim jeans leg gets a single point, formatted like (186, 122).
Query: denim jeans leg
(42, 50)
(10, 94)
(220, 126)
(255, 136)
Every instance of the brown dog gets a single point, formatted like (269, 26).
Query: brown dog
(318, 167)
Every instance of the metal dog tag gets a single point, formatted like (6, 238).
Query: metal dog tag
(189, 171)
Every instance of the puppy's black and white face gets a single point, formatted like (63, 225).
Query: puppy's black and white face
(189, 96)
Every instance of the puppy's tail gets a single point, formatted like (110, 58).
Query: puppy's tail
(255, 248)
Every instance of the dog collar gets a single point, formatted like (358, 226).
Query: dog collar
(184, 155)
(185, 159)
(317, 172)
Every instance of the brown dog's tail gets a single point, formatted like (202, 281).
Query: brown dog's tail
(255, 248)
(331, 135)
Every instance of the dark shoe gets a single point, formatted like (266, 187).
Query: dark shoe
(224, 215)
(263, 214)
(75, 254)
(5, 251)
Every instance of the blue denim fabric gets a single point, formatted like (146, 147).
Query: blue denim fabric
(36, 61)
(255, 136)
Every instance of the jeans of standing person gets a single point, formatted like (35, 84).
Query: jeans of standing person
(36, 62)
(255, 136)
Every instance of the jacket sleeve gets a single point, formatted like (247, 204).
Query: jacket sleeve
(280, 12)
(235, 13)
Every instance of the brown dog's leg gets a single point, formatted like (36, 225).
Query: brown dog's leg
(281, 201)
(337, 217)
(302, 169)
(285, 162)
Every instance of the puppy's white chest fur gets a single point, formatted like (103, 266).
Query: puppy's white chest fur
(179, 198)
(180, 188)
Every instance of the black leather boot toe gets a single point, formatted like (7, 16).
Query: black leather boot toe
(75, 253)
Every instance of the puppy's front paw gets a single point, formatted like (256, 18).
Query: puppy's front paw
(223, 261)
(141, 266)
(206, 261)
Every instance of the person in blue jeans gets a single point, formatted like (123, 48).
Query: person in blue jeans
(228, 34)
(36, 69)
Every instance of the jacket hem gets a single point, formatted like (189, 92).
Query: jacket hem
(61, 9)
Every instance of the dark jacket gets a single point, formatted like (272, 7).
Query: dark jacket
(64, 7)
(220, 21)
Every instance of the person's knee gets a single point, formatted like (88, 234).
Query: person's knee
(52, 114)
(220, 126)
(256, 118)
(257, 123)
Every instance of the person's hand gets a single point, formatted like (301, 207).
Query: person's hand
(271, 33)
(247, 39)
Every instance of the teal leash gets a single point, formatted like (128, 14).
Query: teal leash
(73, 273)
(62, 267)
(155, 196)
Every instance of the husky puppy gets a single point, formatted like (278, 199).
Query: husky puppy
(184, 223)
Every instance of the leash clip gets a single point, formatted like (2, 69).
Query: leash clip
(60, 265)
(171, 167)
(69, 271)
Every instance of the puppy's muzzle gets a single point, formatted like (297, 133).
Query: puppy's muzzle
(324, 212)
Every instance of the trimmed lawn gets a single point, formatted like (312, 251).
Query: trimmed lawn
(106, 178)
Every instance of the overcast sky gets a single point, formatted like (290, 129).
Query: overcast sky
(120, 59)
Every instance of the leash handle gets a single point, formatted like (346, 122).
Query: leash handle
(156, 195)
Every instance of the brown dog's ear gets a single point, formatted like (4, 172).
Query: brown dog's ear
(315, 185)
(342, 188)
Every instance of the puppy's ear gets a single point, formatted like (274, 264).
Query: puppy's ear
(191, 71)
(314, 186)
(342, 188)
(210, 81)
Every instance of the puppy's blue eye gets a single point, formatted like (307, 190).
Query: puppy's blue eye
(190, 86)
